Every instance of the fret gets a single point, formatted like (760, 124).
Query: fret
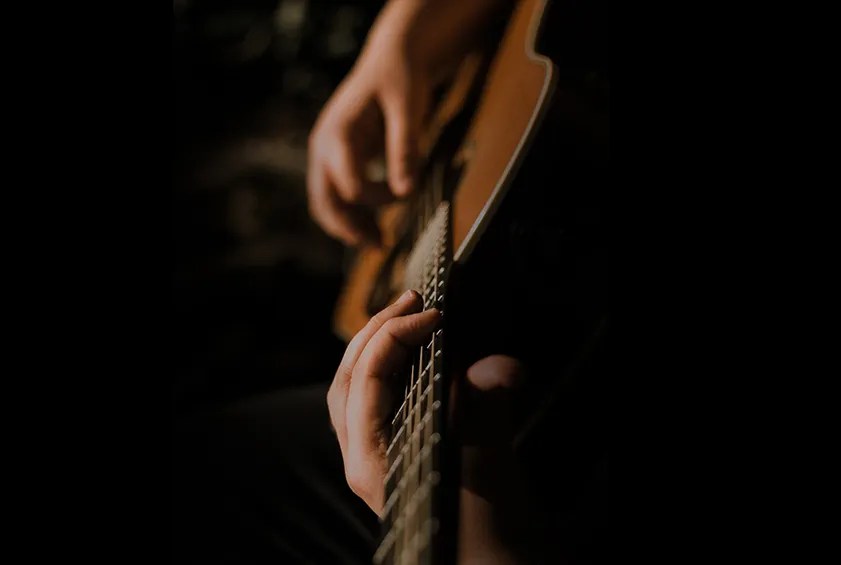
(399, 422)
(424, 403)
(399, 416)
(399, 524)
(404, 458)
(432, 477)
(421, 468)
(425, 553)
(393, 475)
(422, 384)
(430, 245)
(432, 267)
(413, 452)
(430, 288)
(414, 467)
(420, 417)
(395, 442)
(423, 549)
(414, 479)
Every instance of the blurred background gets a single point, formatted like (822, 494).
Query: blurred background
(254, 279)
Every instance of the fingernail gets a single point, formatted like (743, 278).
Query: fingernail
(408, 296)
(438, 312)
(403, 186)
(407, 185)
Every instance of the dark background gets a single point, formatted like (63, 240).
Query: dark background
(254, 280)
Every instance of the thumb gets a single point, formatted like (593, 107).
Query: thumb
(487, 400)
(404, 111)
(496, 371)
(496, 513)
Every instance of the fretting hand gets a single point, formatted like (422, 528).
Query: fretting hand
(360, 405)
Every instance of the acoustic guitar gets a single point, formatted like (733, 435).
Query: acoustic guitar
(475, 144)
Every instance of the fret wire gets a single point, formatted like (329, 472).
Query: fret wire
(412, 453)
(405, 450)
(415, 469)
(406, 459)
(427, 391)
(415, 420)
(427, 500)
(417, 454)
(404, 413)
(430, 527)
(410, 509)
(394, 441)
(409, 458)
(405, 479)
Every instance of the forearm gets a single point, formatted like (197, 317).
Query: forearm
(434, 35)
(496, 516)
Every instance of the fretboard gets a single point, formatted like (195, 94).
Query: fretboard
(410, 519)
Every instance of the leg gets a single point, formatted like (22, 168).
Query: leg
(262, 481)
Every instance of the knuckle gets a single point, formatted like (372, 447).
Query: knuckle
(390, 326)
(355, 343)
(356, 477)
(363, 366)
(377, 320)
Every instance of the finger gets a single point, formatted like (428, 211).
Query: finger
(346, 172)
(337, 395)
(364, 220)
(487, 400)
(328, 210)
(403, 118)
(496, 371)
(387, 350)
(369, 397)
(488, 465)
(352, 184)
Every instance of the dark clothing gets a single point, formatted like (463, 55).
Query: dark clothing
(262, 481)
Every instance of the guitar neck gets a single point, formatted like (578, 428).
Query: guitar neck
(411, 519)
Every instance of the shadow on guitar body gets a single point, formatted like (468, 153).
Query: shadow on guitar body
(535, 287)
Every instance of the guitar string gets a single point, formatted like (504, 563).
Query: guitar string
(411, 542)
(401, 519)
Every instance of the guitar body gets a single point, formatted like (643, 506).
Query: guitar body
(515, 95)
(506, 226)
